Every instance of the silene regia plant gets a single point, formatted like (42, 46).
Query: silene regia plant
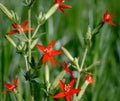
(27, 41)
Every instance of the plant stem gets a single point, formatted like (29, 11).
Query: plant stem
(82, 63)
(84, 57)
(26, 63)
(29, 49)
(29, 36)
(17, 95)
(36, 30)
(80, 69)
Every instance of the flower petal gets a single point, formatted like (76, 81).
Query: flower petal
(74, 91)
(55, 52)
(112, 23)
(62, 94)
(65, 6)
(7, 85)
(15, 26)
(50, 44)
(15, 82)
(24, 23)
(52, 61)
(41, 47)
(68, 97)
(62, 85)
(72, 83)
(45, 58)
(13, 32)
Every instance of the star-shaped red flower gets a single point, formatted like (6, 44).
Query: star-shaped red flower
(48, 52)
(61, 6)
(88, 79)
(18, 28)
(67, 90)
(107, 18)
(11, 87)
(65, 66)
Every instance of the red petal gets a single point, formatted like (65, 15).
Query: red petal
(7, 85)
(68, 97)
(62, 85)
(15, 82)
(65, 6)
(52, 61)
(13, 32)
(105, 14)
(55, 52)
(72, 83)
(50, 44)
(24, 24)
(5, 91)
(45, 58)
(62, 94)
(41, 47)
(15, 26)
(112, 23)
(111, 15)
(62, 10)
(74, 91)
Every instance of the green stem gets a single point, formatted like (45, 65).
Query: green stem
(80, 69)
(36, 30)
(29, 50)
(83, 60)
(29, 36)
(47, 77)
(17, 95)
(26, 62)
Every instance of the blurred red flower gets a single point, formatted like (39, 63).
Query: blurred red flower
(11, 87)
(89, 79)
(62, 6)
(65, 66)
(20, 28)
(67, 90)
(48, 52)
(107, 18)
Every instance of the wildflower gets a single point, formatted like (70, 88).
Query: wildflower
(67, 90)
(65, 66)
(48, 52)
(11, 87)
(88, 79)
(61, 6)
(107, 18)
(20, 28)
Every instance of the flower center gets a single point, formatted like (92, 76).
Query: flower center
(108, 17)
(48, 51)
(67, 88)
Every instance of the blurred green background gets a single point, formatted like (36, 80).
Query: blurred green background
(69, 30)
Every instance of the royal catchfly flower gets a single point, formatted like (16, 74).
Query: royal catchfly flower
(61, 6)
(67, 90)
(48, 52)
(107, 18)
(65, 66)
(88, 79)
(11, 87)
(18, 28)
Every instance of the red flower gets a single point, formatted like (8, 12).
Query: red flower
(66, 68)
(48, 52)
(20, 28)
(11, 87)
(62, 6)
(107, 18)
(67, 90)
(89, 79)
